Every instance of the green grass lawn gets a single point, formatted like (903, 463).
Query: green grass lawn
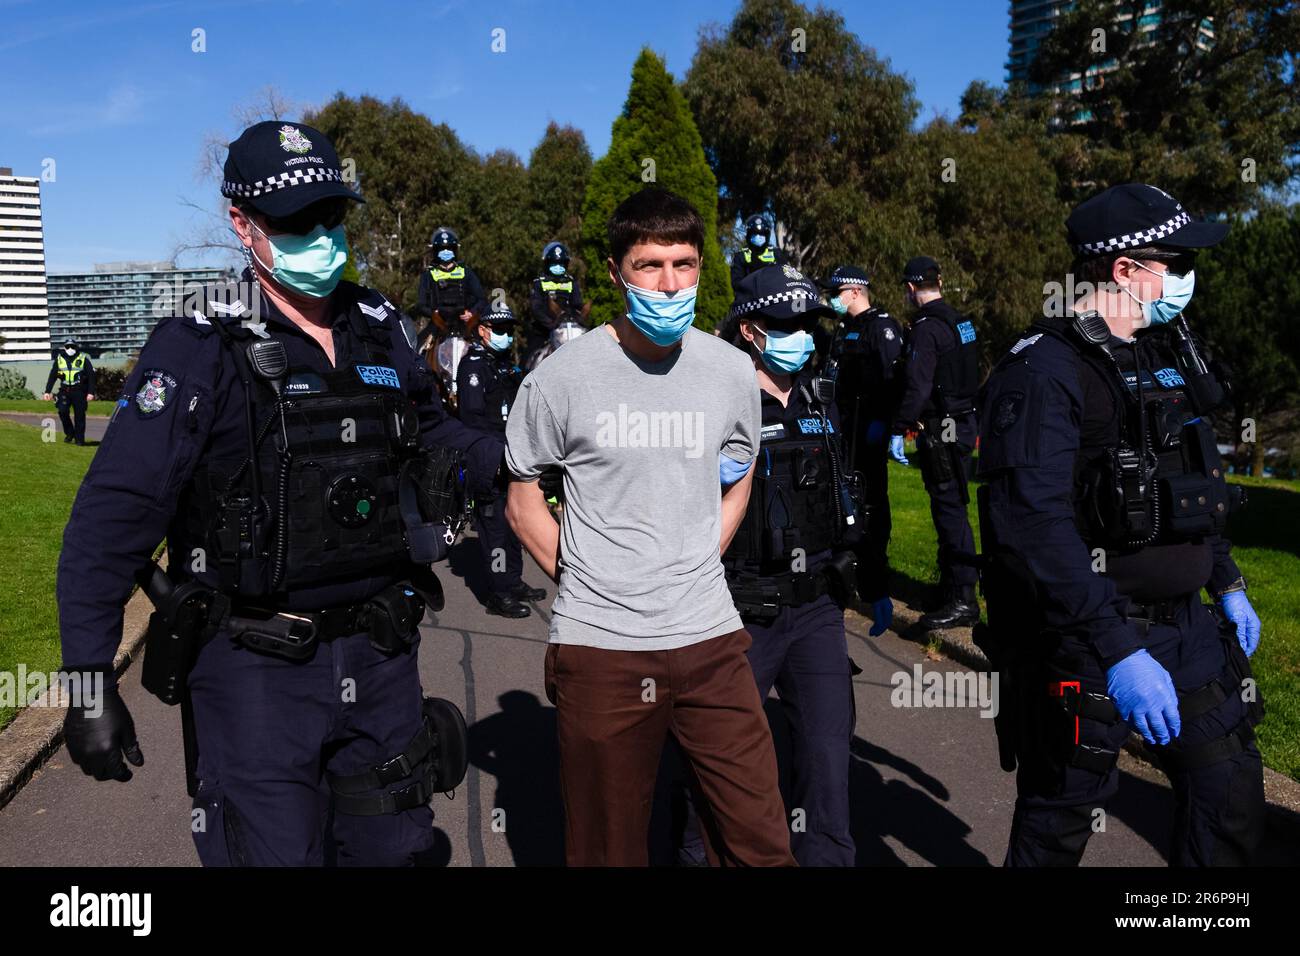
(39, 479)
(1266, 545)
(40, 407)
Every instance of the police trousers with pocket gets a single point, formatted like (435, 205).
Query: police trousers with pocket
(803, 653)
(503, 555)
(270, 729)
(1218, 805)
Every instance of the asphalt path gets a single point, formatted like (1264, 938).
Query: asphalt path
(926, 787)
(96, 425)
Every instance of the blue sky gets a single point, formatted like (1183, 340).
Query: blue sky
(113, 93)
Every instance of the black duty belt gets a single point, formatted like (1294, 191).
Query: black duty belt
(1157, 612)
(326, 625)
(787, 590)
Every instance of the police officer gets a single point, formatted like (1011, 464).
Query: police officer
(789, 566)
(450, 293)
(285, 441)
(940, 381)
(555, 296)
(866, 353)
(75, 374)
(1102, 520)
(758, 251)
(487, 379)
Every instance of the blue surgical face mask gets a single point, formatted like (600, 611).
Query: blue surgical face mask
(838, 305)
(446, 255)
(1175, 293)
(758, 240)
(787, 351)
(310, 265)
(557, 270)
(498, 341)
(662, 317)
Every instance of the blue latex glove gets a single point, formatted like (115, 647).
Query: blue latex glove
(1236, 605)
(883, 613)
(896, 450)
(875, 432)
(1145, 697)
(729, 471)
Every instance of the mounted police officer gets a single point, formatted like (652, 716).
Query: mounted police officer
(450, 293)
(789, 567)
(291, 448)
(75, 373)
(866, 356)
(939, 386)
(487, 380)
(554, 297)
(1102, 520)
(758, 252)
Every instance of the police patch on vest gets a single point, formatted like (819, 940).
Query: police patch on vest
(967, 332)
(1169, 377)
(851, 336)
(473, 379)
(772, 432)
(304, 383)
(1008, 412)
(380, 375)
(813, 426)
(156, 392)
(889, 334)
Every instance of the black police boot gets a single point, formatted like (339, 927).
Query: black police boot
(507, 606)
(961, 610)
(67, 439)
(522, 592)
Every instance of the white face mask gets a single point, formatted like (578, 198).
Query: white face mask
(71, 351)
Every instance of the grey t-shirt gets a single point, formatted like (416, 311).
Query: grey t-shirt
(639, 444)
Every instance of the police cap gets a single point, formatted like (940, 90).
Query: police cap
(921, 269)
(780, 296)
(1135, 215)
(845, 276)
(280, 168)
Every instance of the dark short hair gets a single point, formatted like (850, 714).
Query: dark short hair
(1097, 269)
(927, 285)
(654, 215)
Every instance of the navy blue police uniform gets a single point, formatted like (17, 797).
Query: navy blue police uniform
(486, 383)
(447, 289)
(76, 377)
(867, 353)
(552, 298)
(281, 484)
(790, 571)
(1102, 516)
(941, 379)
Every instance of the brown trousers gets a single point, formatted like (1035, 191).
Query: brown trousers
(615, 711)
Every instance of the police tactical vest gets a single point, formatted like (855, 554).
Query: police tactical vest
(1149, 480)
(330, 456)
(449, 289)
(500, 384)
(792, 500)
(957, 373)
(70, 372)
(767, 257)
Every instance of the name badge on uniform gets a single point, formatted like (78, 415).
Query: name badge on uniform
(772, 432)
(379, 375)
(304, 383)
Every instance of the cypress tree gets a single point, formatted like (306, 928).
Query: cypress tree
(654, 142)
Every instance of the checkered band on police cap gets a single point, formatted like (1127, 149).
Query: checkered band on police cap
(1132, 240)
(294, 177)
(775, 298)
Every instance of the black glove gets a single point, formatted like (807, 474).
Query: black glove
(551, 482)
(97, 740)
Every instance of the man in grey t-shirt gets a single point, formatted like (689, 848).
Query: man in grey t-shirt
(642, 415)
